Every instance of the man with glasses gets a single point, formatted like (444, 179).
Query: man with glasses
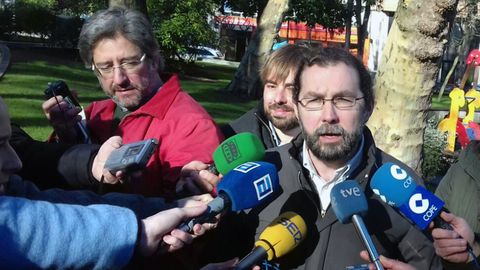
(120, 48)
(333, 99)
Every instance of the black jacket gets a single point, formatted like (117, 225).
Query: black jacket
(329, 244)
(253, 121)
(54, 165)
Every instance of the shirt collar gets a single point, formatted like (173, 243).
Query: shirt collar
(344, 171)
(276, 139)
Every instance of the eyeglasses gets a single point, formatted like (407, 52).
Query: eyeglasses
(314, 104)
(129, 66)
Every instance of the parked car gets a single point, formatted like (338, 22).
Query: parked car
(200, 53)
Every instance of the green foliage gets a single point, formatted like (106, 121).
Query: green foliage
(6, 19)
(248, 7)
(328, 13)
(32, 17)
(29, 19)
(79, 7)
(48, 4)
(435, 162)
(181, 24)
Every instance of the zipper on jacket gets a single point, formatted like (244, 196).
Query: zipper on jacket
(319, 208)
(265, 125)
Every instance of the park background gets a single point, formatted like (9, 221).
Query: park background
(427, 46)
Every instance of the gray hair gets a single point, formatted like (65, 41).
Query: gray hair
(109, 23)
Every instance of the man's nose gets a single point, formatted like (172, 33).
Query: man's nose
(281, 96)
(119, 76)
(329, 112)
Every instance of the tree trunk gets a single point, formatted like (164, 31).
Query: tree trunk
(406, 76)
(348, 24)
(467, 41)
(246, 81)
(361, 26)
(140, 5)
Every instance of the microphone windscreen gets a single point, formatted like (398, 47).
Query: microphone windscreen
(236, 150)
(282, 235)
(422, 207)
(348, 199)
(393, 184)
(250, 184)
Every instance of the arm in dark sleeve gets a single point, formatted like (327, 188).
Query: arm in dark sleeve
(75, 166)
(54, 165)
(142, 206)
(40, 159)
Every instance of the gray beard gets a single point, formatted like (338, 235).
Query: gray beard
(333, 152)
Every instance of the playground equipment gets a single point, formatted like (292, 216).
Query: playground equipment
(466, 129)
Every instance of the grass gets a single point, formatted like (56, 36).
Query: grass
(31, 69)
(443, 104)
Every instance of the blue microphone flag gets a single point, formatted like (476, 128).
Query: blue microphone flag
(392, 184)
(249, 184)
(422, 207)
(348, 199)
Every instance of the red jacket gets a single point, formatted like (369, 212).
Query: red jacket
(184, 130)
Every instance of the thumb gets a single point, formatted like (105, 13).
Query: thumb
(447, 217)
(115, 141)
(189, 212)
(364, 255)
(387, 262)
(172, 217)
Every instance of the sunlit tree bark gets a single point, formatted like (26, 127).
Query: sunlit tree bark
(406, 76)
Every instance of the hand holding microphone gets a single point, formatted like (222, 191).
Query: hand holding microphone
(395, 187)
(198, 177)
(236, 150)
(452, 246)
(244, 187)
(280, 237)
(398, 189)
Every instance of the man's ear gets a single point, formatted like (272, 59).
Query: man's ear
(158, 63)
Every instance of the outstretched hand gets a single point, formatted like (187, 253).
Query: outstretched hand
(98, 170)
(196, 179)
(63, 118)
(161, 226)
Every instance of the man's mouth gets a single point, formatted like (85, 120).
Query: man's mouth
(330, 134)
(280, 111)
(124, 90)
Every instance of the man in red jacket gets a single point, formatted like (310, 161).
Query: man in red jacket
(119, 46)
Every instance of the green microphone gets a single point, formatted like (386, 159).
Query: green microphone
(236, 150)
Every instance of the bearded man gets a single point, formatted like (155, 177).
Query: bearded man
(333, 99)
(273, 120)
